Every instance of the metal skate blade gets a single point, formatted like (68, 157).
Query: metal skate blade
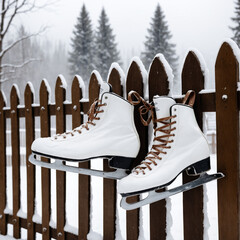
(154, 196)
(59, 165)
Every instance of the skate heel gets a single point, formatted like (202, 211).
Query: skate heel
(199, 167)
(121, 162)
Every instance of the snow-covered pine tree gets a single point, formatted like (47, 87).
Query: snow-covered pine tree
(106, 47)
(236, 20)
(158, 41)
(81, 57)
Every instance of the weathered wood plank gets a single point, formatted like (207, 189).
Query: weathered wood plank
(193, 78)
(158, 85)
(135, 82)
(29, 120)
(46, 173)
(14, 98)
(84, 185)
(227, 120)
(3, 184)
(60, 95)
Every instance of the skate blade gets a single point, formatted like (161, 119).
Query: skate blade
(154, 196)
(58, 164)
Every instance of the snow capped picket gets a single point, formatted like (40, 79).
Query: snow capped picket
(81, 84)
(45, 84)
(201, 60)
(116, 66)
(63, 80)
(143, 73)
(235, 48)
(97, 75)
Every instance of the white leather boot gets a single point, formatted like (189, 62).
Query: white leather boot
(109, 133)
(179, 145)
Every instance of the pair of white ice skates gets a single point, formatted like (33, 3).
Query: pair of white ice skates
(178, 145)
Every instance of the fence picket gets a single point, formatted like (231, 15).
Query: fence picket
(3, 223)
(158, 85)
(193, 78)
(29, 119)
(134, 81)
(109, 186)
(60, 94)
(227, 119)
(45, 172)
(84, 185)
(15, 160)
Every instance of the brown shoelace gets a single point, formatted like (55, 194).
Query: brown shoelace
(92, 115)
(157, 149)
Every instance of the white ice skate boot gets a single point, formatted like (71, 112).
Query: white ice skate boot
(178, 145)
(109, 133)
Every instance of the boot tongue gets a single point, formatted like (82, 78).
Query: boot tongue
(162, 107)
(105, 87)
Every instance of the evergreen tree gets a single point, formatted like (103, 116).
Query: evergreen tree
(236, 29)
(106, 47)
(158, 41)
(82, 56)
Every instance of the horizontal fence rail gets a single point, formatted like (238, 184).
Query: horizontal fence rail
(225, 101)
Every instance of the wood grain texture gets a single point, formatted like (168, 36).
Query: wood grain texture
(60, 95)
(29, 122)
(45, 172)
(3, 183)
(135, 82)
(83, 181)
(14, 98)
(227, 118)
(193, 78)
(158, 85)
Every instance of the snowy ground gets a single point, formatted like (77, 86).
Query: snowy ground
(174, 205)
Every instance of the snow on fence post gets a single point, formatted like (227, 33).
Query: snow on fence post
(45, 172)
(158, 82)
(3, 223)
(136, 78)
(60, 94)
(227, 121)
(83, 181)
(14, 96)
(109, 185)
(29, 120)
(193, 78)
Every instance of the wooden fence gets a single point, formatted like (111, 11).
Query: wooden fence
(225, 102)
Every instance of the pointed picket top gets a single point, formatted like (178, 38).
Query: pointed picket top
(60, 84)
(3, 99)
(45, 90)
(137, 77)
(228, 53)
(116, 78)
(160, 77)
(194, 72)
(29, 93)
(79, 84)
(15, 96)
(94, 86)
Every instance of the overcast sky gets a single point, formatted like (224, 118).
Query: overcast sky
(200, 24)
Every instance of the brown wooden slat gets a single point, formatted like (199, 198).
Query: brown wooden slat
(45, 173)
(3, 223)
(60, 94)
(109, 186)
(135, 82)
(227, 120)
(29, 119)
(193, 78)
(15, 160)
(158, 85)
(83, 181)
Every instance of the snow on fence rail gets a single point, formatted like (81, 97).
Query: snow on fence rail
(225, 102)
